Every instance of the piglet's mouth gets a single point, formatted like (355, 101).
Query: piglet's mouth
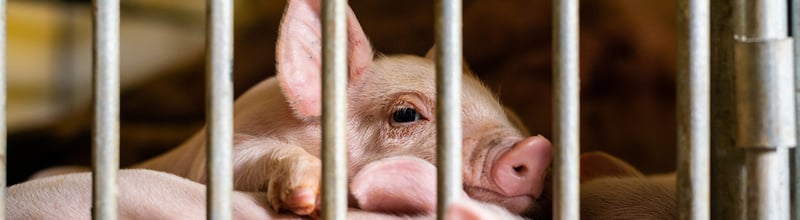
(515, 204)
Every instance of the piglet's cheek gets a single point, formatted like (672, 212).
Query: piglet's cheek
(400, 185)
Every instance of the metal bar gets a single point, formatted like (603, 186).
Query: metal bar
(794, 169)
(767, 183)
(693, 109)
(219, 109)
(105, 132)
(794, 159)
(566, 104)
(765, 105)
(766, 123)
(794, 175)
(449, 69)
(727, 169)
(334, 107)
(3, 102)
(763, 19)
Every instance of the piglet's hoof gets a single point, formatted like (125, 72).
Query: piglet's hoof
(299, 190)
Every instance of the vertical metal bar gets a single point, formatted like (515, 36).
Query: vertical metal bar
(219, 109)
(566, 104)
(693, 109)
(727, 169)
(334, 107)
(794, 163)
(763, 19)
(3, 109)
(794, 175)
(448, 95)
(767, 183)
(765, 107)
(105, 142)
(794, 159)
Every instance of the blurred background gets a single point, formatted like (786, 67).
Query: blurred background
(627, 70)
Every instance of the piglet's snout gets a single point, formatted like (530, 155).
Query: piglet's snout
(520, 171)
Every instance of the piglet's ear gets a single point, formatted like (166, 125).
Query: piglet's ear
(431, 54)
(598, 164)
(299, 55)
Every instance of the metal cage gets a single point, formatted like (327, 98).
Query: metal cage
(733, 56)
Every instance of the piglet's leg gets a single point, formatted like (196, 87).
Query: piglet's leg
(295, 186)
(288, 174)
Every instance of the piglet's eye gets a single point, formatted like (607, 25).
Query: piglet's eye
(406, 115)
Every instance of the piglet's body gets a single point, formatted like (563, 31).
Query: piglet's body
(391, 113)
(613, 189)
(143, 194)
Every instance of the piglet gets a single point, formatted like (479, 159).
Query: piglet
(613, 189)
(143, 194)
(391, 113)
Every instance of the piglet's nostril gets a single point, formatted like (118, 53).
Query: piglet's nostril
(521, 170)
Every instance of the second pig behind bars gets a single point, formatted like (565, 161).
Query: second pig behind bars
(391, 113)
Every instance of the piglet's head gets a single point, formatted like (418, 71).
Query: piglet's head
(392, 111)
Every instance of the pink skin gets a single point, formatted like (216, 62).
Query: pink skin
(610, 189)
(402, 185)
(471, 210)
(148, 194)
(143, 194)
(407, 186)
(277, 126)
(517, 171)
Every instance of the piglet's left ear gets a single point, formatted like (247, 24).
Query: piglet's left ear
(299, 55)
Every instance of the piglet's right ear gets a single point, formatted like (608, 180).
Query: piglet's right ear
(431, 54)
(598, 164)
(299, 55)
